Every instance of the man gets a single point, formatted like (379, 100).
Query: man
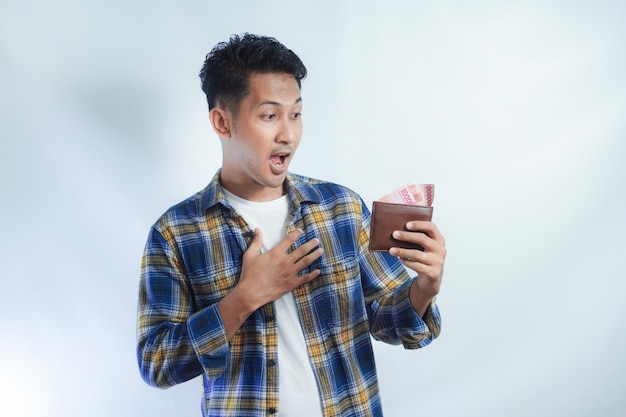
(263, 282)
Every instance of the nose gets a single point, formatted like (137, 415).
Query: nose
(289, 131)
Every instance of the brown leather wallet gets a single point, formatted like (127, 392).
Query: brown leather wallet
(387, 217)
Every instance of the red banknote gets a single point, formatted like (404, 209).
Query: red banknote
(411, 194)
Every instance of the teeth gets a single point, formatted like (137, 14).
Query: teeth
(278, 159)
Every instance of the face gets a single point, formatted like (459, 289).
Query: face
(259, 142)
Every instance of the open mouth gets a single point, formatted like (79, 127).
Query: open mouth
(278, 159)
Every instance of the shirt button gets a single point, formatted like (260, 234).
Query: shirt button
(271, 362)
(269, 319)
(271, 410)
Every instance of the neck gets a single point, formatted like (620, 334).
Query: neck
(253, 192)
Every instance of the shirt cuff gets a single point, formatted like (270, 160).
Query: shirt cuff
(422, 330)
(208, 339)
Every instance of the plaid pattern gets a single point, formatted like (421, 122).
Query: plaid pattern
(193, 258)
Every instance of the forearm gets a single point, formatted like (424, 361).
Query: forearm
(175, 342)
(234, 309)
(395, 320)
(420, 299)
(170, 353)
(166, 357)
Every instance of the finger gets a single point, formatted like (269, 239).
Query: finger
(426, 227)
(409, 255)
(257, 242)
(419, 238)
(416, 262)
(289, 240)
(305, 248)
(309, 258)
(428, 243)
(310, 276)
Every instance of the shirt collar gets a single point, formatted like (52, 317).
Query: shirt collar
(299, 190)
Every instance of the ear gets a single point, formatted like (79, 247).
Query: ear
(221, 121)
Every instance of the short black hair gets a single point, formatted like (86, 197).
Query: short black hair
(227, 68)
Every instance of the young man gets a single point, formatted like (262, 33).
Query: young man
(263, 282)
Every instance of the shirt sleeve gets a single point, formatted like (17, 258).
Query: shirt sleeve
(386, 285)
(175, 343)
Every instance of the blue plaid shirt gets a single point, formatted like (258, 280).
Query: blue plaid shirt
(193, 258)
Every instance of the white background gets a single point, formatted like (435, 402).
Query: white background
(515, 110)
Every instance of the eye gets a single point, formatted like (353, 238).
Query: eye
(297, 115)
(268, 117)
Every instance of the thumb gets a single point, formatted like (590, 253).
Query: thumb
(257, 242)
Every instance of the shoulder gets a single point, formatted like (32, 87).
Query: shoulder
(325, 191)
(193, 209)
(187, 212)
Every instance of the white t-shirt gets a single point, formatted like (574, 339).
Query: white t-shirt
(298, 392)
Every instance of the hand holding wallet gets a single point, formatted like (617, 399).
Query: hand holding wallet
(388, 217)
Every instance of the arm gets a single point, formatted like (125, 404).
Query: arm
(428, 263)
(175, 342)
(400, 309)
(266, 277)
(166, 318)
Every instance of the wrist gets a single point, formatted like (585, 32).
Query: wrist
(243, 301)
(420, 298)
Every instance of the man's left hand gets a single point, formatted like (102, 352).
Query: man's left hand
(427, 263)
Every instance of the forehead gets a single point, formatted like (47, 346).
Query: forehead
(273, 88)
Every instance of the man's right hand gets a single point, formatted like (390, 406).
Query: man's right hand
(267, 276)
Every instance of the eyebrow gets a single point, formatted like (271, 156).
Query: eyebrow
(275, 103)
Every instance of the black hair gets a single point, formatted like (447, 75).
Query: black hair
(227, 68)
